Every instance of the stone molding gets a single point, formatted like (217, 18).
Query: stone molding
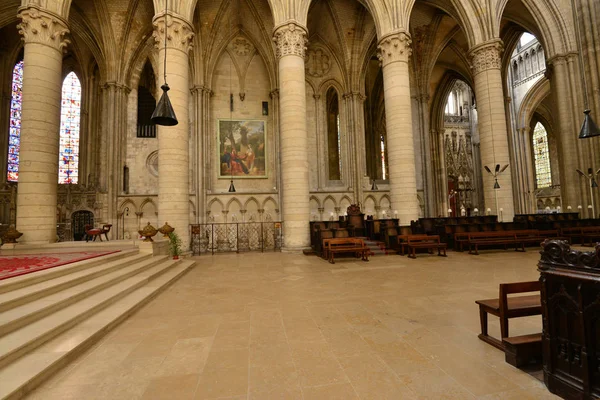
(180, 33)
(290, 40)
(354, 96)
(486, 56)
(38, 26)
(393, 48)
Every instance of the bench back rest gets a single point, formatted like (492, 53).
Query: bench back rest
(337, 242)
(423, 238)
(570, 230)
(517, 287)
(494, 234)
(589, 229)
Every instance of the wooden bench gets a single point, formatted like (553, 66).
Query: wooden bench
(506, 307)
(347, 245)
(571, 233)
(505, 238)
(521, 350)
(460, 239)
(429, 242)
(589, 234)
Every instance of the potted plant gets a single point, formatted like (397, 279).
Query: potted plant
(174, 245)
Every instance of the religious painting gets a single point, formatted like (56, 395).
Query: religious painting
(242, 148)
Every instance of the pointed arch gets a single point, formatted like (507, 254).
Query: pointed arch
(538, 92)
(316, 200)
(146, 201)
(251, 201)
(125, 203)
(232, 202)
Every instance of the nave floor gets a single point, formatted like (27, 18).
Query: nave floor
(287, 326)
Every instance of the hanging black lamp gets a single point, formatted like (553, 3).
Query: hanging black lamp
(231, 187)
(496, 184)
(588, 128)
(374, 185)
(163, 113)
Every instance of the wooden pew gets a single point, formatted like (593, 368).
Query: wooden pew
(590, 234)
(506, 307)
(505, 238)
(347, 245)
(429, 242)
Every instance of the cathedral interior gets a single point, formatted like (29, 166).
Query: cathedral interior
(294, 114)
(465, 88)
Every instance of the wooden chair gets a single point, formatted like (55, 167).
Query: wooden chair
(92, 233)
(506, 307)
(105, 230)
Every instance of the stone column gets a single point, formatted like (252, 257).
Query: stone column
(290, 41)
(173, 141)
(574, 190)
(393, 52)
(493, 136)
(43, 33)
(355, 112)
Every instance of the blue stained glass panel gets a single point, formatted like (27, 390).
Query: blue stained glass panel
(15, 123)
(70, 117)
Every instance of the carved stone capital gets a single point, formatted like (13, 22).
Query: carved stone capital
(394, 48)
(354, 96)
(486, 56)
(289, 40)
(42, 27)
(179, 32)
(274, 94)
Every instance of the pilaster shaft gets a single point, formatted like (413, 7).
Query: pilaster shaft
(486, 65)
(290, 43)
(43, 34)
(173, 141)
(393, 52)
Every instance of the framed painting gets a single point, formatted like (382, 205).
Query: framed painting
(242, 148)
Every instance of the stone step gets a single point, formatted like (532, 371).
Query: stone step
(27, 313)
(47, 287)
(17, 282)
(24, 374)
(23, 340)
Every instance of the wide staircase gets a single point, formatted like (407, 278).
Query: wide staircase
(48, 318)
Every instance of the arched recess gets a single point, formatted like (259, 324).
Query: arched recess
(437, 131)
(216, 208)
(536, 94)
(543, 18)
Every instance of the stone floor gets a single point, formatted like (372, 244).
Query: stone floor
(287, 326)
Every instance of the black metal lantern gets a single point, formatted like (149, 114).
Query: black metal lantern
(163, 113)
(588, 128)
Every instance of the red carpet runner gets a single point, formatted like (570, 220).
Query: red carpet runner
(11, 266)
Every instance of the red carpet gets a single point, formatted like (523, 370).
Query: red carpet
(11, 266)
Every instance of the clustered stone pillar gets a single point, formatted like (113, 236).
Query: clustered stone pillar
(393, 52)
(43, 33)
(492, 126)
(290, 41)
(173, 141)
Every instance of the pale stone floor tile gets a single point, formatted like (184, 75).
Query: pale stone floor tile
(287, 326)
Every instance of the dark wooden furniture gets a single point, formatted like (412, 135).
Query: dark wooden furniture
(355, 220)
(347, 245)
(505, 307)
(92, 233)
(429, 242)
(105, 229)
(504, 238)
(590, 235)
(522, 350)
(571, 320)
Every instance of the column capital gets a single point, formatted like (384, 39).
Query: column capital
(180, 32)
(43, 27)
(290, 39)
(486, 56)
(394, 47)
(354, 95)
(274, 94)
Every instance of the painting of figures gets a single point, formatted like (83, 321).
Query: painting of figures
(242, 148)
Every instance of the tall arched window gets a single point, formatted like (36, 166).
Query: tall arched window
(70, 121)
(333, 135)
(14, 133)
(543, 175)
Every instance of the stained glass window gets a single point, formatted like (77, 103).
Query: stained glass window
(70, 117)
(541, 153)
(14, 133)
